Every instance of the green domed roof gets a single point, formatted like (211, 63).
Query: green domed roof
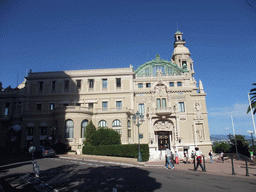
(167, 67)
(178, 32)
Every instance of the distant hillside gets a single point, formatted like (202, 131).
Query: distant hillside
(217, 137)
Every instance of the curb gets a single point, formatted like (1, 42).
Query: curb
(99, 161)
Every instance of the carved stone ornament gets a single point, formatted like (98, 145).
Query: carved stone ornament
(160, 89)
(197, 106)
(163, 126)
(200, 135)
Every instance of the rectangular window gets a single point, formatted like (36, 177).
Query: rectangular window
(43, 130)
(39, 107)
(119, 105)
(19, 107)
(53, 85)
(140, 85)
(6, 109)
(163, 102)
(90, 105)
(104, 106)
(66, 85)
(118, 82)
(171, 84)
(129, 133)
(158, 103)
(41, 85)
(104, 83)
(30, 131)
(141, 108)
(179, 84)
(78, 84)
(91, 83)
(181, 107)
(52, 106)
(148, 85)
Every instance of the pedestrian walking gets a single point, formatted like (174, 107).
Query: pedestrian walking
(186, 156)
(210, 155)
(177, 158)
(251, 153)
(172, 158)
(198, 155)
(222, 156)
(192, 156)
(168, 158)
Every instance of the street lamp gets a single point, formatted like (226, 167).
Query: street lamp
(251, 132)
(138, 119)
(53, 129)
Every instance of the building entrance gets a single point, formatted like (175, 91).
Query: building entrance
(163, 139)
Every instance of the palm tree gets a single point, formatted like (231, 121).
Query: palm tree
(253, 100)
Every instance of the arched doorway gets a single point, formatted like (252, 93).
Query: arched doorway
(163, 131)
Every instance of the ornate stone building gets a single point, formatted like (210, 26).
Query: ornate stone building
(58, 105)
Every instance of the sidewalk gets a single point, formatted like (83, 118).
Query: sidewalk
(216, 168)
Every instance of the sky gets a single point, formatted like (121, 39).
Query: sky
(58, 35)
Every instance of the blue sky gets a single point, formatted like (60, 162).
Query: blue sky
(57, 35)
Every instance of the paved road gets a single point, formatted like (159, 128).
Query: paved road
(79, 175)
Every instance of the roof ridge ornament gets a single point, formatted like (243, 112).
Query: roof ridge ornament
(157, 57)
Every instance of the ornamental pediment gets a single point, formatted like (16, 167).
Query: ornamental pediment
(163, 126)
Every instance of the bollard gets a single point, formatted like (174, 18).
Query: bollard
(36, 170)
(232, 163)
(247, 172)
(204, 164)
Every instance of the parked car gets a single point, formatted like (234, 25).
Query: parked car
(45, 152)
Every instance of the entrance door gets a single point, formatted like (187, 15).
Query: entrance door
(163, 140)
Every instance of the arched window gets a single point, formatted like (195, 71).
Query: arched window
(116, 123)
(128, 123)
(83, 127)
(102, 123)
(69, 129)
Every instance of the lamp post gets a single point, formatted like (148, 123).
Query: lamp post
(251, 132)
(138, 119)
(53, 129)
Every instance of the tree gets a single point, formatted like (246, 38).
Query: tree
(218, 147)
(1, 86)
(90, 130)
(253, 100)
(242, 145)
(104, 136)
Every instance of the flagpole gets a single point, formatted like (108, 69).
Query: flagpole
(234, 135)
(252, 114)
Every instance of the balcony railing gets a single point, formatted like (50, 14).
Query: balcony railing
(117, 109)
(70, 109)
(163, 110)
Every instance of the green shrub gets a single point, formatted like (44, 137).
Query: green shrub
(89, 131)
(218, 147)
(105, 137)
(130, 150)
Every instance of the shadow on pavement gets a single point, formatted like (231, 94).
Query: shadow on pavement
(105, 178)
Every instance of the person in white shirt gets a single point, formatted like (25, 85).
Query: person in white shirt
(168, 158)
(198, 156)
